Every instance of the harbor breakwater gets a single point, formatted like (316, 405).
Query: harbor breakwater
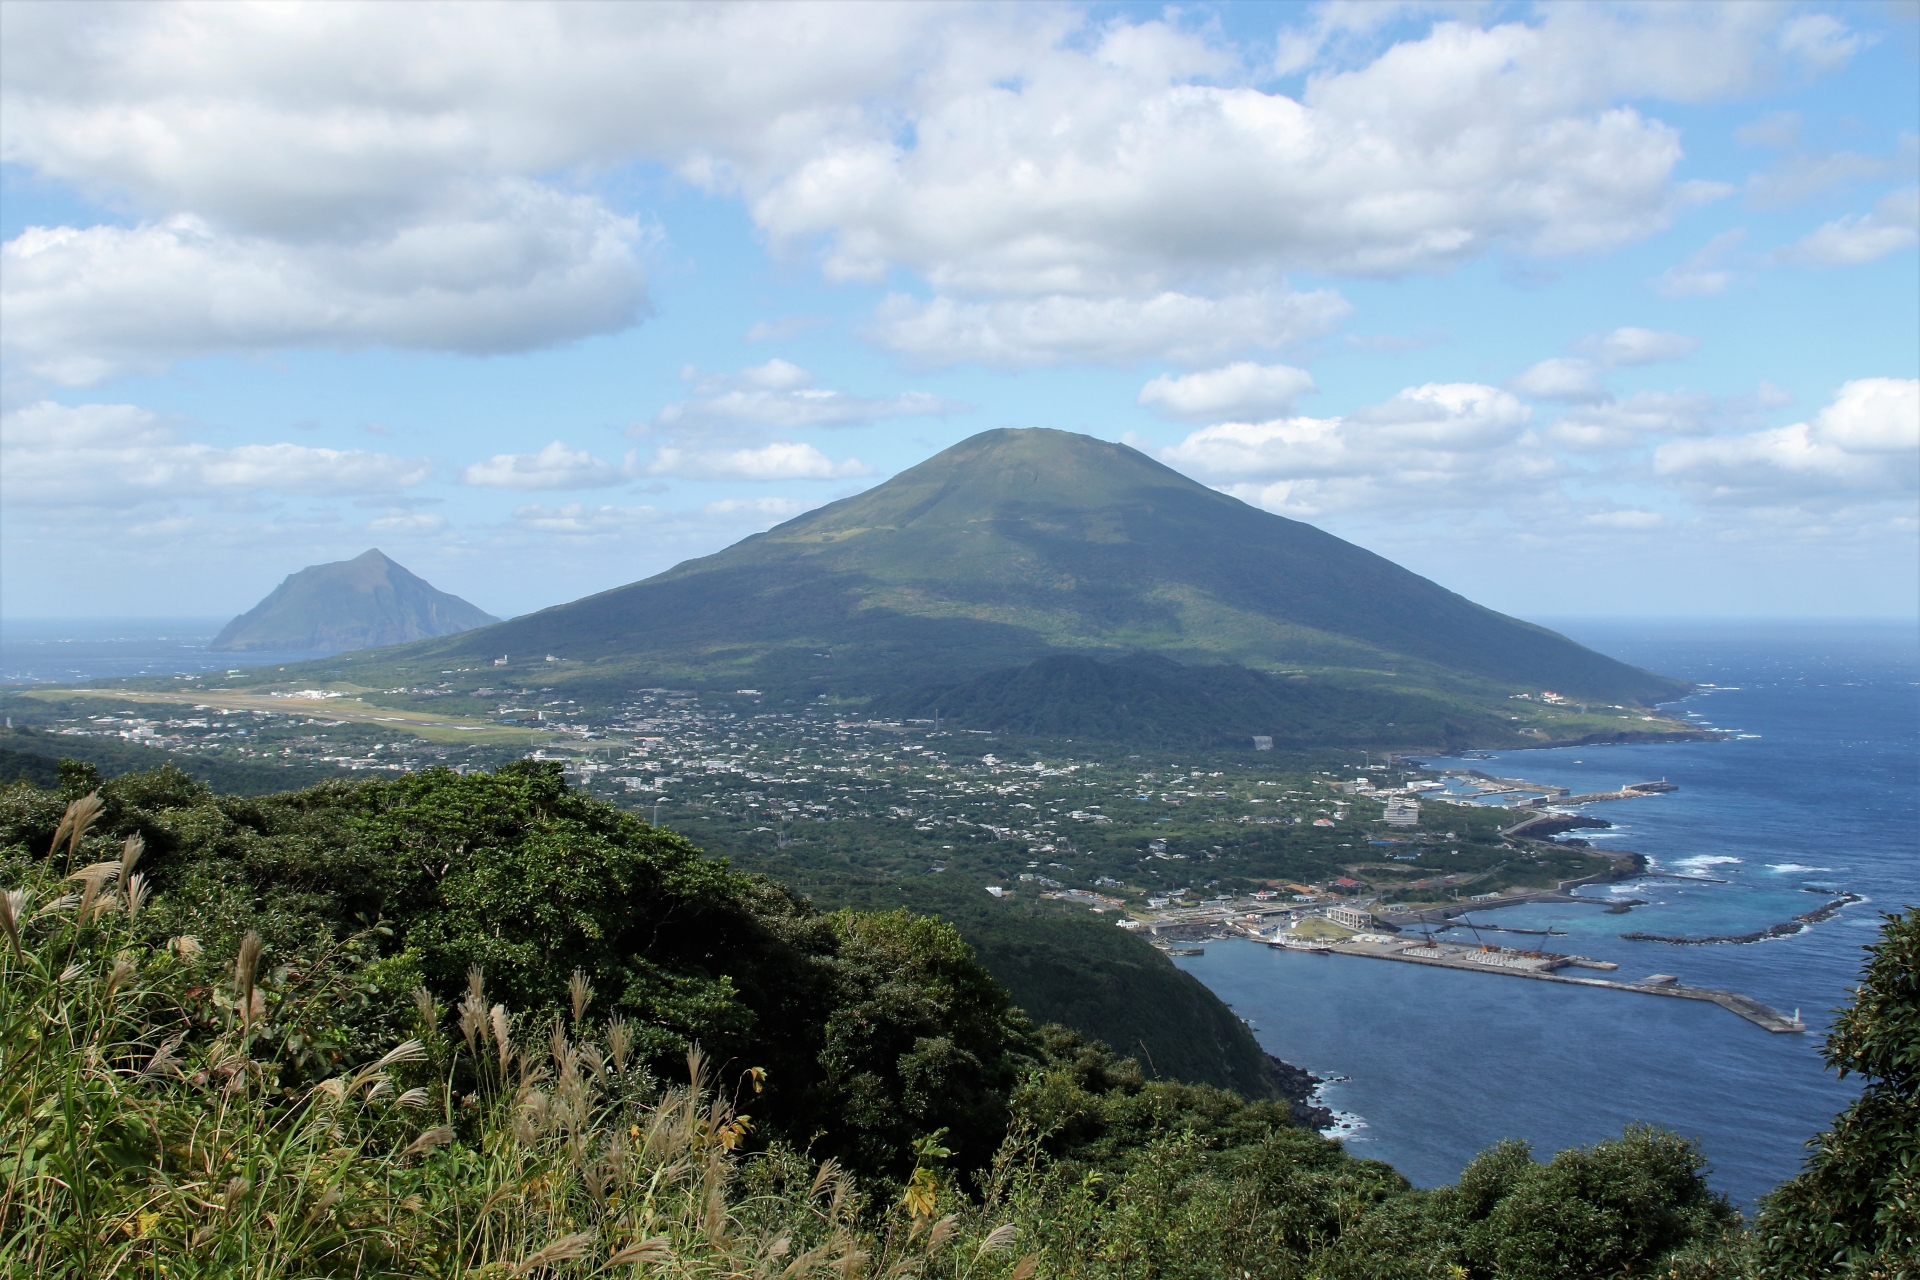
(1799, 924)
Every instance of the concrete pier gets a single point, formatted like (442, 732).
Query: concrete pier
(1541, 967)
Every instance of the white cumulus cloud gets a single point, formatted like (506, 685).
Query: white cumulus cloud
(1129, 175)
(776, 461)
(1577, 379)
(1442, 445)
(101, 454)
(349, 174)
(1613, 425)
(576, 518)
(407, 524)
(1240, 392)
(1186, 328)
(761, 513)
(1864, 445)
(779, 395)
(1852, 241)
(1561, 379)
(1630, 346)
(1706, 272)
(554, 467)
(533, 269)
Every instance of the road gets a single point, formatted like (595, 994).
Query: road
(344, 708)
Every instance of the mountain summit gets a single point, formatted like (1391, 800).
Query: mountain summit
(360, 603)
(1016, 544)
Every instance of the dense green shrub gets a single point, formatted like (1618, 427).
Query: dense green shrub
(426, 876)
(1855, 1211)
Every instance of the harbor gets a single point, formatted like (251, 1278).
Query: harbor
(1180, 933)
(1310, 919)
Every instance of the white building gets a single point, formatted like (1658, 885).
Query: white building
(1403, 811)
(1350, 917)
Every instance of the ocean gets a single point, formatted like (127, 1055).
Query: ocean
(69, 650)
(1816, 789)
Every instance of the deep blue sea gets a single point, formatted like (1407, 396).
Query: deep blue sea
(1819, 788)
(69, 650)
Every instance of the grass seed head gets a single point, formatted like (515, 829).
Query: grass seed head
(13, 908)
(246, 969)
(502, 1034)
(93, 879)
(619, 1042)
(565, 1249)
(74, 822)
(654, 1251)
(123, 971)
(998, 1240)
(164, 1059)
(137, 893)
(427, 1141)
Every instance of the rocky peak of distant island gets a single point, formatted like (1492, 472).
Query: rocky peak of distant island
(361, 603)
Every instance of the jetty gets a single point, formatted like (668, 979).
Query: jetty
(1543, 967)
(1631, 791)
(1799, 924)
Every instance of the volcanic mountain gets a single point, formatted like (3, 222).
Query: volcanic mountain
(360, 603)
(1019, 544)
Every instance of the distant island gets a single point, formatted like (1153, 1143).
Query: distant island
(362, 603)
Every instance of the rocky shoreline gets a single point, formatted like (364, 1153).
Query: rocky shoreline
(1800, 923)
(1301, 1089)
(1629, 736)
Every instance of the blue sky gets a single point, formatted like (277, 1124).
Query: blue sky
(1574, 309)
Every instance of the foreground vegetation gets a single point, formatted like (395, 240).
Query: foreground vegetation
(486, 1025)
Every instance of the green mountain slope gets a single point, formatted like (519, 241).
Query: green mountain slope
(361, 603)
(1016, 544)
(1145, 698)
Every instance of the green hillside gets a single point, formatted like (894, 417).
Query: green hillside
(1062, 966)
(1145, 698)
(360, 603)
(1016, 545)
